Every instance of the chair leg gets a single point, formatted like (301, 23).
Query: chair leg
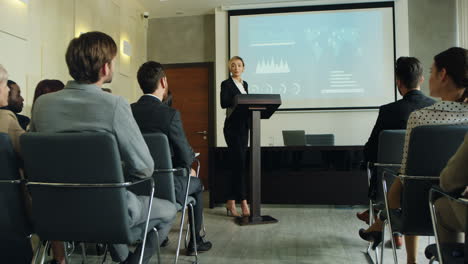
(192, 215)
(382, 246)
(180, 235)
(389, 219)
(67, 261)
(158, 250)
(46, 246)
(38, 252)
(434, 226)
(106, 249)
(83, 253)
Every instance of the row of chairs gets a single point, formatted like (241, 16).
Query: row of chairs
(300, 138)
(429, 150)
(77, 185)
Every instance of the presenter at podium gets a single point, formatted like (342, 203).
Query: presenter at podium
(236, 129)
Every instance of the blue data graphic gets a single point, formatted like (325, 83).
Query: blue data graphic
(326, 56)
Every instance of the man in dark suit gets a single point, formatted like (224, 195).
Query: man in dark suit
(409, 77)
(15, 104)
(152, 115)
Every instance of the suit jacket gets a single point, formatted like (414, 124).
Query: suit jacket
(233, 125)
(9, 125)
(85, 107)
(394, 116)
(152, 115)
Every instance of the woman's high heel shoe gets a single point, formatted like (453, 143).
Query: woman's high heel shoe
(231, 209)
(374, 236)
(245, 209)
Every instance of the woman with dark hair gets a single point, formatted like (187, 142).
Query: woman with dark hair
(47, 86)
(236, 134)
(448, 81)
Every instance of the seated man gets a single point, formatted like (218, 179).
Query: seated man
(15, 104)
(451, 216)
(152, 115)
(83, 106)
(409, 77)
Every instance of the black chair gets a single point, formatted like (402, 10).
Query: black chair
(15, 226)
(159, 147)
(389, 155)
(429, 150)
(78, 188)
(452, 253)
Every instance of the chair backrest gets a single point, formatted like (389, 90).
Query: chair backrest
(320, 139)
(389, 151)
(87, 214)
(14, 222)
(159, 148)
(294, 137)
(429, 150)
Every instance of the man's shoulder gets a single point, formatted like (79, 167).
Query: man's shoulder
(5, 113)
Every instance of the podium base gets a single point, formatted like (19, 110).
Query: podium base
(259, 220)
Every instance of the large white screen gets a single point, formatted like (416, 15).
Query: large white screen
(318, 59)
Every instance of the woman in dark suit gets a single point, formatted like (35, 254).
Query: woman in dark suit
(235, 130)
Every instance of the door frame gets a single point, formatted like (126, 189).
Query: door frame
(211, 108)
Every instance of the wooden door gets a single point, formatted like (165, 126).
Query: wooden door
(190, 85)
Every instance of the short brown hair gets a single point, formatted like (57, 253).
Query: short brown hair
(149, 75)
(87, 54)
(47, 86)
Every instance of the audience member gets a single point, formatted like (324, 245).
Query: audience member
(449, 82)
(20, 250)
(152, 115)
(451, 216)
(47, 86)
(8, 121)
(409, 77)
(15, 104)
(82, 106)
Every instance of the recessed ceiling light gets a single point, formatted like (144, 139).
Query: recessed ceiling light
(179, 12)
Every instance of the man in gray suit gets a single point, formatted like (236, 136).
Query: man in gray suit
(83, 106)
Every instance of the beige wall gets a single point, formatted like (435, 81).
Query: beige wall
(34, 38)
(181, 39)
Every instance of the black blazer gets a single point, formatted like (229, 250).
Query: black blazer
(232, 124)
(394, 116)
(152, 115)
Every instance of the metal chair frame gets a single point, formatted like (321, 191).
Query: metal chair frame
(101, 185)
(370, 166)
(387, 208)
(435, 193)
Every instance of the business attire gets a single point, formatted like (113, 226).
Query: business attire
(9, 125)
(236, 130)
(394, 116)
(23, 120)
(152, 115)
(451, 216)
(85, 107)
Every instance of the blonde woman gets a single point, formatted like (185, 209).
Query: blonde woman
(236, 131)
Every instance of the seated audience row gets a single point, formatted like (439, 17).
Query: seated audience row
(448, 81)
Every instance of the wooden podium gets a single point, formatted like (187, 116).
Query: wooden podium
(255, 106)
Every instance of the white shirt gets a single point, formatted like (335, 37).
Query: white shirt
(240, 86)
(440, 113)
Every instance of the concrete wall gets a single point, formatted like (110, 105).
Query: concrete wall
(432, 29)
(182, 39)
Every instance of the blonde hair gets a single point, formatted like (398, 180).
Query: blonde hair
(3, 74)
(236, 58)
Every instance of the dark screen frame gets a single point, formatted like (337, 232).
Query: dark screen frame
(331, 7)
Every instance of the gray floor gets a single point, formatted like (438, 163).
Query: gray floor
(305, 234)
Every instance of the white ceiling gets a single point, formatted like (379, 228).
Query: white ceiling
(173, 8)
